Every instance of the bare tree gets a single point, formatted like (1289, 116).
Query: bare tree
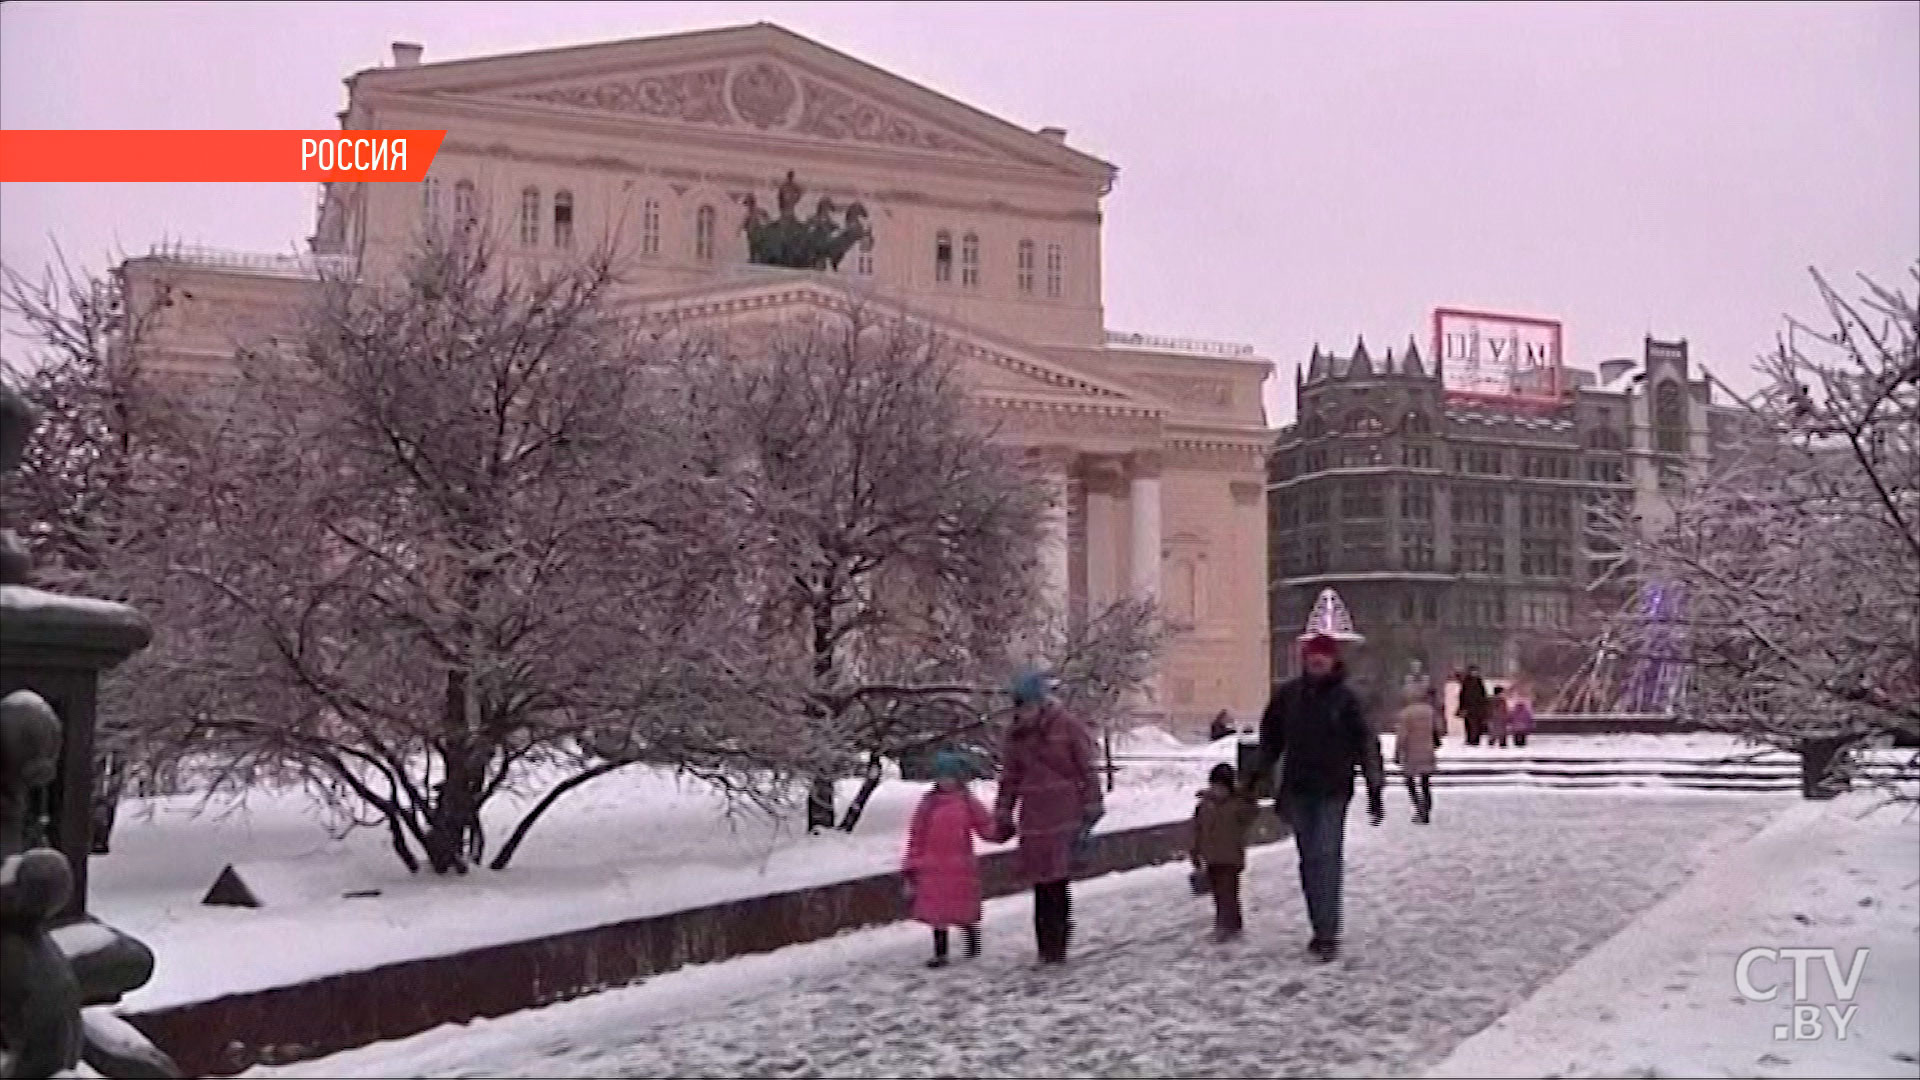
(898, 543)
(110, 442)
(449, 544)
(1794, 562)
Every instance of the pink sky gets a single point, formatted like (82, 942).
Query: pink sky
(1289, 173)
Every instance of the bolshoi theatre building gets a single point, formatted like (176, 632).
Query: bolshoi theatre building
(665, 146)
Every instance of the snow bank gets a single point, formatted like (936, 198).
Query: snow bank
(632, 844)
(1660, 998)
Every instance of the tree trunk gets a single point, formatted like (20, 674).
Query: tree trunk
(819, 804)
(454, 825)
(1823, 767)
(109, 787)
(875, 773)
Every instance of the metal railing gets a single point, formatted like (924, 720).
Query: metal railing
(1198, 346)
(254, 262)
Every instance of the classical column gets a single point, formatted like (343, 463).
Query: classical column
(1143, 568)
(1144, 485)
(1056, 554)
(1106, 485)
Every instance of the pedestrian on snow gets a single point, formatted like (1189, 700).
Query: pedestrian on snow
(1049, 797)
(1498, 712)
(1222, 727)
(1314, 728)
(1473, 705)
(1220, 824)
(1413, 751)
(941, 874)
(1520, 719)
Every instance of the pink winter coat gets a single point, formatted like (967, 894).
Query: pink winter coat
(940, 861)
(1520, 718)
(1047, 776)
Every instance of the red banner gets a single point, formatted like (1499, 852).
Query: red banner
(216, 156)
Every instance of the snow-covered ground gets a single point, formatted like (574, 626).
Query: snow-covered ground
(628, 845)
(1449, 926)
(1661, 998)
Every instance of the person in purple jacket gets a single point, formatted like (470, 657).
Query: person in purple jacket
(1050, 798)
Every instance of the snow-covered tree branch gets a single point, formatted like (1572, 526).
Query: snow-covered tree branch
(1796, 559)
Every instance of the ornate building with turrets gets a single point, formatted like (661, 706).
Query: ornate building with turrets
(1456, 531)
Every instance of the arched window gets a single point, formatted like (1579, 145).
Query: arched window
(465, 209)
(650, 227)
(430, 200)
(1056, 270)
(943, 256)
(1024, 267)
(703, 234)
(1360, 420)
(563, 219)
(1417, 423)
(530, 216)
(970, 261)
(1669, 418)
(863, 256)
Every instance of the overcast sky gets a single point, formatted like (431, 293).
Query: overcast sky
(1289, 173)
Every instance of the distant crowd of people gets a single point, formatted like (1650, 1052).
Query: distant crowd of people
(1314, 731)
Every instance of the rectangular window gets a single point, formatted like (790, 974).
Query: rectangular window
(1024, 267)
(430, 199)
(530, 217)
(1056, 270)
(1364, 548)
(1474, 505)
(650, 227)
(563, 219)
(1416, 456)
(1430, 608)
(1316, 562)
(1545, 559)
(970, 261)
(1416, 500)
(703, 226)
(1480, 554)
(943, 257)
(1416, 550)
(1363, 499)
(1315, 504)
(863, 257)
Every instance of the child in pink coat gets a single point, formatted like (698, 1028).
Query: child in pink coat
(941, 874)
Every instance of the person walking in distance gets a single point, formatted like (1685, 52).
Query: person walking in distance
(1520, 720)
(1315, 730)
(1050, 798)
(1498, 712)
(1413, 748)
(1473, 705)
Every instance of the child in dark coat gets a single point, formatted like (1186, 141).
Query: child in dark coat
(1220, 825)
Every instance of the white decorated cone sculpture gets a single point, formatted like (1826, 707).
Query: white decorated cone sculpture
(1330, 617)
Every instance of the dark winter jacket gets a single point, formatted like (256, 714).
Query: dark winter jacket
(1318, 733)
(1220, 824)
(1474, 698)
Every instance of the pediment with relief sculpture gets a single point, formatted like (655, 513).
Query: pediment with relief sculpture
(994, 368)
(745, 80)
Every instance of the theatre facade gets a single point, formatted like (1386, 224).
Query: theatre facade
(665, 147)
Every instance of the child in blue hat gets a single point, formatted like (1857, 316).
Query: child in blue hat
(941, 873)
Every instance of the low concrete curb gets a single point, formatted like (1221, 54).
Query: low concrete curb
(284, 1024)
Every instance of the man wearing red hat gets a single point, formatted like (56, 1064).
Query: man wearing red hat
(1315, 729)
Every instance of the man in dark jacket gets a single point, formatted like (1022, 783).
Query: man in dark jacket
(1315, 729)
(1473, 704)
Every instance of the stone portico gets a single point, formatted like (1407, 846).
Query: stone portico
(987, 232)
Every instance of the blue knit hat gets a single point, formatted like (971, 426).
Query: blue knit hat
(1030, 688)
(951, 765)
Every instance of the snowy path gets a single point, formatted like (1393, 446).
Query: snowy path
(1449, 926)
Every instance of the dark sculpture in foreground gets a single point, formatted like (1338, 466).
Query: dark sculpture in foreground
(56, 963)
(815, 243)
